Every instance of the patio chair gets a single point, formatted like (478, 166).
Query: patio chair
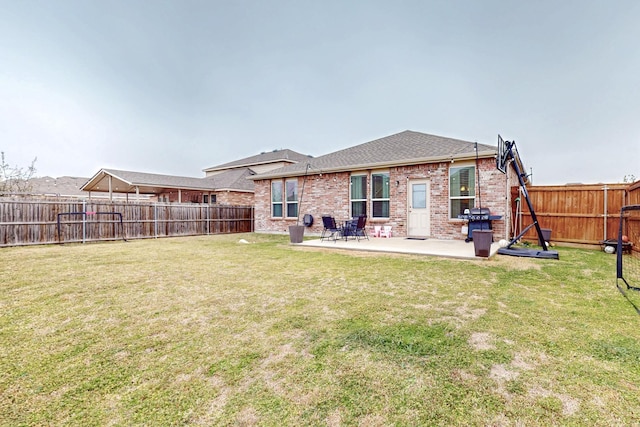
(356, 228)
(386, 231)
(376, 230)
(331, 230)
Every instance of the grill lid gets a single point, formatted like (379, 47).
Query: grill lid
(479, 211)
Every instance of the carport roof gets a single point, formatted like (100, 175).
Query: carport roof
(150, 183)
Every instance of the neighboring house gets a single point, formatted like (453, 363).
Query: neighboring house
(415, 182)
(226, 184)
(164, 188)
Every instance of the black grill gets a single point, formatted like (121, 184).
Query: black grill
(479, 219)
(479, 214)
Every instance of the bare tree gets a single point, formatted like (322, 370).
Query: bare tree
(14, 179)
(629, 178)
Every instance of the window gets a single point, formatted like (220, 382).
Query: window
(276, 199)
(462, 189)
(292, 198)
(419, 196)
(380, 195)
(358, 195)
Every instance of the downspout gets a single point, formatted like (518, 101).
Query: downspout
(478, 175)
(304, 181)
(478, 181)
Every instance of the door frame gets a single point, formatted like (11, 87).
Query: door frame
(410, 183)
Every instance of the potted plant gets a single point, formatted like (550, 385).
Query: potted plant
(482, 240)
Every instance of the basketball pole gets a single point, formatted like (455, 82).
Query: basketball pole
(509, 153)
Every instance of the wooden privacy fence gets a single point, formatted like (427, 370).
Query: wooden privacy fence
(584, 214)
(31, 222)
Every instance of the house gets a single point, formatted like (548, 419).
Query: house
(224, 184)
(415, 182)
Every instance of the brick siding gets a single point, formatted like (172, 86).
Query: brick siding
(328, 194)
(235, 198)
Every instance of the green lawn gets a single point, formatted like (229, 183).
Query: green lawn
(210, 331)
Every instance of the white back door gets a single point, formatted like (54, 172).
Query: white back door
(419, 208)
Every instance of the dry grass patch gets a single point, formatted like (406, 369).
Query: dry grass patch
(207, 331)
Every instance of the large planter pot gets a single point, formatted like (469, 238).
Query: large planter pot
(482, 242)
(296, 233)
(546, 235)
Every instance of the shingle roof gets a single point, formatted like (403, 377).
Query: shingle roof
(127, 181)
(61, 186)
(235, 179)
(274, 156)
(158, 180)
(403, 148)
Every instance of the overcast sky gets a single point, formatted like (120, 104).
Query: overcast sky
(174, 87)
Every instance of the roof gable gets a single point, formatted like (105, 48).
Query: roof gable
(234, 179)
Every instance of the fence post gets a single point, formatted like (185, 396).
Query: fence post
(155, 220)
(207, 218)
(606, 208)
(84, 222)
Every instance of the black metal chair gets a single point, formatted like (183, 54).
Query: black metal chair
(356, 228)
(361, 231)
(331, 230)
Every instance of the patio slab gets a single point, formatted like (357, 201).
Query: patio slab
(432, 247)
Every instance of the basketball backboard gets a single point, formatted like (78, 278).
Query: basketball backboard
(503, 155)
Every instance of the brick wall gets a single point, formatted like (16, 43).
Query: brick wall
(185, 196)
(235, 198)
(325, 194)
(329, 194)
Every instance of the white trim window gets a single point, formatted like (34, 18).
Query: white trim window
(291, 187)
(209, 199)
(358, 195)
(380, 194)
(276, 199)
(462, 189)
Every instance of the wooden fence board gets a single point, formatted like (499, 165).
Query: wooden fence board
(584, 214)
(29, 221)
(575, 213)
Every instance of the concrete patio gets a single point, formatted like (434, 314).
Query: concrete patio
(431, 247)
